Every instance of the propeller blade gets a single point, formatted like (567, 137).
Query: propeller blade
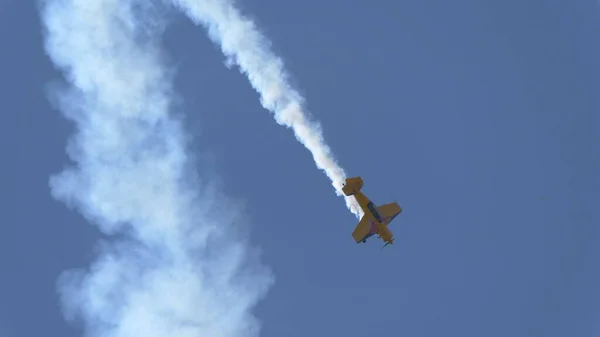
(389, 242)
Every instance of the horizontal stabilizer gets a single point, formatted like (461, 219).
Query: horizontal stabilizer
(352, 185)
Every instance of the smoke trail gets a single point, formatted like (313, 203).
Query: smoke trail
(179, 268)
(243, 44)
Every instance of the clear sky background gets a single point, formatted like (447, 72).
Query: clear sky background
(479, 117)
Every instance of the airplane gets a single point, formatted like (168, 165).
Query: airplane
(375, 219)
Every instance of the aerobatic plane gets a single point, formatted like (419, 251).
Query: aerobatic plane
(375, 219)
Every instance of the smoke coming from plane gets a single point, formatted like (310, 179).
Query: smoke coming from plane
(244, 45)
(176, 264)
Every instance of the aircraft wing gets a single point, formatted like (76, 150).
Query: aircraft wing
(362, 229)
(390, 210)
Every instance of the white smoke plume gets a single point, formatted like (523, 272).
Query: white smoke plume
(177, 265)
(244, 45)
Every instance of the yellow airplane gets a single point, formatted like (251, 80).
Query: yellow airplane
(376, 218)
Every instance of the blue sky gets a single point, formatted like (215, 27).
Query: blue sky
(479, 118)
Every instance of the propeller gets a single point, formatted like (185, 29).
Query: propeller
(387, 243)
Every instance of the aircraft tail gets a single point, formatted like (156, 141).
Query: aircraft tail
(352, 185)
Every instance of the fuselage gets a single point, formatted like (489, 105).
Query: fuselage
(376, 218)
(378, 223)
(382, 230)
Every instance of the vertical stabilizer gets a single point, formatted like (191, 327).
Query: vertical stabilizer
(352, 185)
